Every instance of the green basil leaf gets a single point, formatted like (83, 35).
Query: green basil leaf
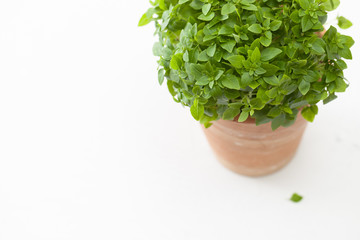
(304, 87)
(273, 80)
(331, 5)
(344, 23)
(255, 28)
(243, 116)
(228, 9)
(236, 61)
(231, 113)
(270, 53)
(197, 110)
(231, 81)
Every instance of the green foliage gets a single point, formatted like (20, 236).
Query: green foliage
(344, 23)
(296, 198)
(235, 59)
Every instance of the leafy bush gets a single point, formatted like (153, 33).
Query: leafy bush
(260, 58)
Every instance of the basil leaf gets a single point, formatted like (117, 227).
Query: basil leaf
(270, 53)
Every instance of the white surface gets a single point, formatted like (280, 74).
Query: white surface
(92, 148)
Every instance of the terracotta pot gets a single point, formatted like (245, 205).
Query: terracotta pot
(253, 150)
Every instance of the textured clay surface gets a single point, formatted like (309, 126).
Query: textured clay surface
(253, 150)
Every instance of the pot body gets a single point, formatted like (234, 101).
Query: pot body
(253, 150)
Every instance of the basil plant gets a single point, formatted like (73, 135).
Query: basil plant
(236, 59)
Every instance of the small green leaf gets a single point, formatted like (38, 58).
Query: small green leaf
(330, 77)
(275, 25)
(309, 113)
(197, 110)
(157, 49)
(274, 112)
(265, 41)
(243, 116)
(255, 28)
(331, 5)
(296, 198)
(345, 53)
(186, 57)
(304, 4)
(273, 80)
(278, 122)
(196, 70)
(228, 46)
(317, 46)
(270, 69)
(206, 8)
(344, 23)
(231, 113)
(255, 56)
(207, 17)
(211, 50)
(236, 61)
(341, 86)
(270, 53)
(250, 7)
(183, 1)
(176, 61)
(246, 79)
(272, 92)
(144, 20)
(304, 87)
(228, 9)
(257, 103)
(226, 30)
(161, 74)
(306, 23)
(203, 80)
(260, 71)
(231, 81)
(330, 98)
(197, 5)
(294, 16)
(162, 5)
(203, 56)
(218, 74)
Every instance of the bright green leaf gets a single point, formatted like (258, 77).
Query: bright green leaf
(206, 8)
(211, 50)
(243, 116)
(344, 23)
(176, 62)
(231, 81)
(305, 4)
(207, 17)
(306, 23)
(255, 28)
(309, 113)
(304, 87)
(270, 53)
(161, 74)
(228, 46)
(265, 41)
(275, 25)
(296, 198)
(236, 61)
(144, 20)
(331, 5)
(231, 113)
(228, 9)
(273, 80)
(197, 110)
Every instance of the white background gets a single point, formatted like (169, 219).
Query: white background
(92, 148)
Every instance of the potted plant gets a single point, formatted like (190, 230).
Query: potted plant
(251, 71)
